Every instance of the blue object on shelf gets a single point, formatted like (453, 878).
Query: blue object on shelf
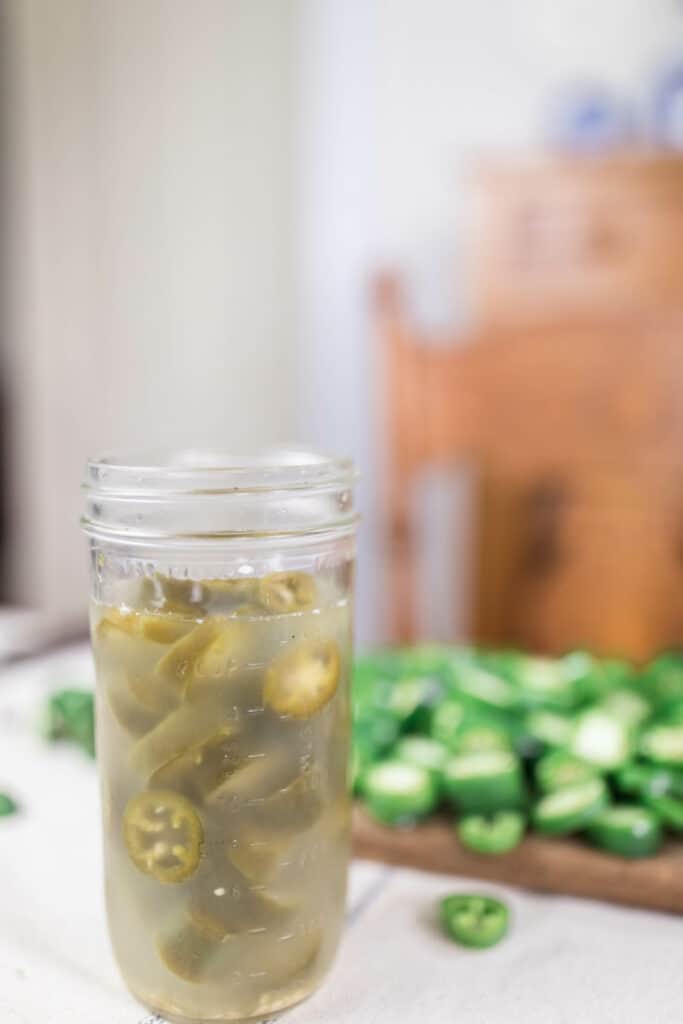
(668, 108)
(591, 119)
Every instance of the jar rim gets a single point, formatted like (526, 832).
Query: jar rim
(195, 494)
(206, 471)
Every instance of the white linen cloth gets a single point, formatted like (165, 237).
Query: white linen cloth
(565, 961)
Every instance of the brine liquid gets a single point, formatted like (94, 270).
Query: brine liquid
(222, 733)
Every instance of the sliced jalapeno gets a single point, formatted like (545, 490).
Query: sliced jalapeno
(290, 809)
(132, 716)
(628, 705)
(423, 751)
(71, 717)
(545, 682)
(163, 834)
(301, 681)
(203, 768)
(185, 597)
(397, 792)
(189, 951)
(187, 727)
(480, 738)
(663, 744)
(571, 808)
(669, 810)
(558, 769)
(7, 805)
(497, 833)
(628, 830)
(161, 629)
(284, 592)
(477, 922)
(485, 781)
(447, 720)
(548, 728)
(486, 688)
(255, 854)
(230, 904)
(602, 739)
(642, 780)
(178, 662)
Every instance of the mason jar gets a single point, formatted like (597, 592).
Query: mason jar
(221, 619)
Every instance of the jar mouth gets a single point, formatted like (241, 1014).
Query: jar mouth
(213, 470)
(209, 492)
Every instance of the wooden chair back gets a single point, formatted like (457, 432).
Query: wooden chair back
(575, 431)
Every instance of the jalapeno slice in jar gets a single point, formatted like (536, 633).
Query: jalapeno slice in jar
(163, 834)
(477, 922)
(300, 682)
(494, 834)
(284, 592)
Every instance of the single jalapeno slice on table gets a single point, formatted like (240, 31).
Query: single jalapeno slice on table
(628, 830)
(163, 834)
(477, 922)
(7, 805)
(300, 682)
(493, 834)
(570, 808)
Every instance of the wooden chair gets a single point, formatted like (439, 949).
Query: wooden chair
(575, 429)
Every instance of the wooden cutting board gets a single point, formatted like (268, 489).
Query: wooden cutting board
(548, 865)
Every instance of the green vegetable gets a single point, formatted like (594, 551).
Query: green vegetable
(669, 809)
(7, 805)
(628, 830)
(70, 716)
(485, 688)
(447, 720)
(499, 833)
(628, 706)
(398, 793)
(663, 744)
(601, 739)
(422, 751)
(477, 922)
(571, 808)
(558, 769)
(484, 781)
(545, 682)
(548, 728)
(643, 780)
(477, 738)
(411, 699)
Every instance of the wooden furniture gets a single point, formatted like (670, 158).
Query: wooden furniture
(546, 865)
(566, 400)
(576, 429)
(576, 236)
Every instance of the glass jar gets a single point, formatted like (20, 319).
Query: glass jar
(222, 632)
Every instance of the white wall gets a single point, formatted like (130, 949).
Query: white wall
(398, 99)
(149, 182)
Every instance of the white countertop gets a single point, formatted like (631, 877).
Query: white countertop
(565, 961)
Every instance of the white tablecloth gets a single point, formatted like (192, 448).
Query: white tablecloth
(565, 962)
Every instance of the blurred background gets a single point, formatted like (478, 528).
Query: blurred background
(444, 237)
